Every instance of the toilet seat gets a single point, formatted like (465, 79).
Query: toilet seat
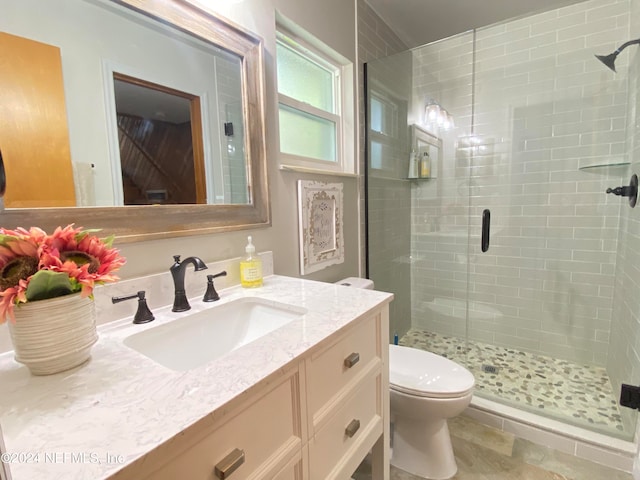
(425, 374)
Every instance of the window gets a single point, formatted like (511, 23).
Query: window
(382, 129)
(311, 108)
(386, 147)
(384, 115)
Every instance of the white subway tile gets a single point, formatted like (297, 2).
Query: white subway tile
(604, 457)
(564, 114)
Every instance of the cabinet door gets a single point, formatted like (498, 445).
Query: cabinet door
(34, 139)
(256, 441)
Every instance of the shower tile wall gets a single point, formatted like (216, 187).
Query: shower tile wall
(624, 349)
(387, 218)
(543, 108)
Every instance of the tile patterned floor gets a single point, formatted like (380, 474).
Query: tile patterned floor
(577, 394)
(484, 453)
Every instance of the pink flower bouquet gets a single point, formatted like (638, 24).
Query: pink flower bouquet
(37, 266)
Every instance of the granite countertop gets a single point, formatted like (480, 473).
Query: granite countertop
(93, 421)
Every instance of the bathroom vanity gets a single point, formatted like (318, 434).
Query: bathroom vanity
(307, 400)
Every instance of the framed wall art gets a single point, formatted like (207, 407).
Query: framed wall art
(320, 207)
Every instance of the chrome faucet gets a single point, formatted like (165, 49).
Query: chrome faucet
(178, 269)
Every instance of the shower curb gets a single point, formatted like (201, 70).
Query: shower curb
(596, 447)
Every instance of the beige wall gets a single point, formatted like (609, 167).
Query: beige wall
(332, 21)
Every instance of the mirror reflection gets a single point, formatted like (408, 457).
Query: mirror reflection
(149, 115)
(156, 146)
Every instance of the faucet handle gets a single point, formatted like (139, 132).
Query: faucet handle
(176, 259)
(143, 314)
(211, 295)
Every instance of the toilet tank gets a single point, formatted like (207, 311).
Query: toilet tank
(356, 282)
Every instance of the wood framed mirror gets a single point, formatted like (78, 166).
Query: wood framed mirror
(158, 219)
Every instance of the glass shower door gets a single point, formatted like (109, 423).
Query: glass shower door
(540, 298)
(388, 192)
(418, 227)
(442, 107)
(532, 316)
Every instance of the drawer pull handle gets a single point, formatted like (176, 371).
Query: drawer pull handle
(352, 428)
(352, 359)
(229, 464)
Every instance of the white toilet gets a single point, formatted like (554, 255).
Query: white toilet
(425, 390)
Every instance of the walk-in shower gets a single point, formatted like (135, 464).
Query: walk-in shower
(547, 317)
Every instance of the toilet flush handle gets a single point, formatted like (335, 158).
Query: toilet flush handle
(352, 359)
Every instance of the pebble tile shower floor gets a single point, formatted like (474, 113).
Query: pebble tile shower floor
(577, 394)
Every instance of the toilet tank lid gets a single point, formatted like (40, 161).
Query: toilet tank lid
(356, 282)
(421, 372)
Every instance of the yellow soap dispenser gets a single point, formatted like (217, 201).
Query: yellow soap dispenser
(251, 267)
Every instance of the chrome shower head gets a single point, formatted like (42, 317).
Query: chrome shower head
(610, 60)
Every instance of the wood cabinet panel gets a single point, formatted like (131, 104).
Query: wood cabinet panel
(294, 470)
(267, 431)
(346, 436)
(318, 420)
(328, 371)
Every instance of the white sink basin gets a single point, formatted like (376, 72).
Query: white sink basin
(200, 337)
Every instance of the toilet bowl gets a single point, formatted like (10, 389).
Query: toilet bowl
(425, 390)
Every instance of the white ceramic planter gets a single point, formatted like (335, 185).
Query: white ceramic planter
(50, 336)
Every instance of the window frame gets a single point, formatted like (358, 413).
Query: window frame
(344, 162)
(396, 138)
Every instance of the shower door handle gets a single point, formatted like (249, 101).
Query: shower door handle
(486, 226)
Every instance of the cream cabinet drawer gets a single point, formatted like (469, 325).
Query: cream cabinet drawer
(330, 370)
(348, 433)
(266, 434)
